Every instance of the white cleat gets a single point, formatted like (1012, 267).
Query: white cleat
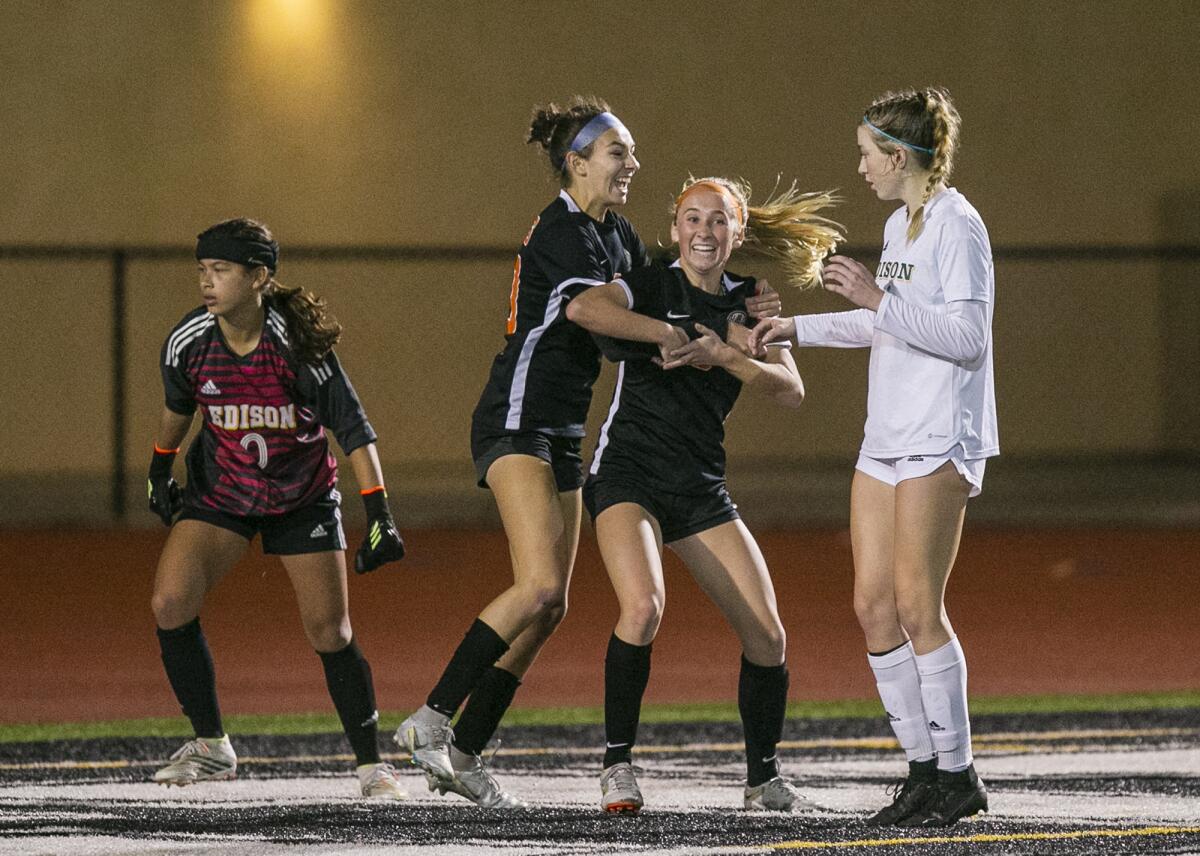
(477, 785)
(777, 794)
(378, 781)
(619, 791)
(429, 746)
(205, 759)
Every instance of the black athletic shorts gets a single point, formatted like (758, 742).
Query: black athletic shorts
(678, 515)
(315, 528)
(563, 454)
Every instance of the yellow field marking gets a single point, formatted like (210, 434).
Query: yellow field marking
(988, 838)
(1009, 742)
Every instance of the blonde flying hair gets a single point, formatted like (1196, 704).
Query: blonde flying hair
(786, 228)
(926, 123)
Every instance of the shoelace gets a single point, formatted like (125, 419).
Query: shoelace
(381, 772)
(192, 747)
(623, 777)
(440, 736)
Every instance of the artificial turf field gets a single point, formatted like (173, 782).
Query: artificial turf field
(1099, 776)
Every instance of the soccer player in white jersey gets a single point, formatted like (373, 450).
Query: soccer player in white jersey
(931, 425)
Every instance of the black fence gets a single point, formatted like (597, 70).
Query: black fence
(120, 256)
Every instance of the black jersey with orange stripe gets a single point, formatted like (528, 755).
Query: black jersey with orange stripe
(666, 429)
(542, 379)
(262, 447)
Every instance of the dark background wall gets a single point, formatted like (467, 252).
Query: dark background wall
(403, 123)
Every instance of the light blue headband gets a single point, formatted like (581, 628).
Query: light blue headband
(597, 126)
(905, 143)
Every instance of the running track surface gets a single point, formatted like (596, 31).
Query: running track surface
(1038, 612)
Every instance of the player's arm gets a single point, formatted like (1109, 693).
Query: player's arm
(776, 375)
(605, 310)
(339, 410)
(383, 542)
(163, 492)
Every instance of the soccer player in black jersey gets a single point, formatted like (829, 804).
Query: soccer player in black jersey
(658, 476)
(256, 362)
(526, 435)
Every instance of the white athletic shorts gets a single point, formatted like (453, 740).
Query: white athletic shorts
(895, 470)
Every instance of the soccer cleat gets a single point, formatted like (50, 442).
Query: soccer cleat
(205, 759)
(429, 746)
(477, 785)
(777, 794)
(378, 781)
(957, 795)
(619, 792)
(910, 795)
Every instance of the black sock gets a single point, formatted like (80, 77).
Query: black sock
(923, 771)
(348, 676)
(762, 702)
(485, 708)
(626, 673)
(189, 666)
(479, 650)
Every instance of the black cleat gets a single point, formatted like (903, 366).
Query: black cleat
(911, 795)
(958, 795)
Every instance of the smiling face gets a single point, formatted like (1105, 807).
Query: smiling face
(228, 288)
(707, 230)
(882, 170)
(603, 179)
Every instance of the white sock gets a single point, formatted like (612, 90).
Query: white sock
(944, 692)
(899, 688)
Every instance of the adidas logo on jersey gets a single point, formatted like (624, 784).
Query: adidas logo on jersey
(318, 531)
(210, 388)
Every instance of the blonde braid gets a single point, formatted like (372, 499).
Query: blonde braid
(946, 122)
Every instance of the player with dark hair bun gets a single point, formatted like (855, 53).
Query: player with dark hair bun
(526, 438)
(926, 315)
(256, 361)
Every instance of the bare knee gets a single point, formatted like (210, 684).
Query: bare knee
(172, 609)
(641, 617)
(328, 635)
(549, 619)
(545, 599)
(921, 617)
(768, 647)
(876, 615)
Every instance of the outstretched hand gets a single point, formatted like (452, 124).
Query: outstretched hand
(853, 281)
(770, 330)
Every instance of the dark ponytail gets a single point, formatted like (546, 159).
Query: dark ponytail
(311, 331)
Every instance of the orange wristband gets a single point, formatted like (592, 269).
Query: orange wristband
(372, 490)
(159, 451)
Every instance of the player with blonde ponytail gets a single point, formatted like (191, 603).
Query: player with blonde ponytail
(658, 474)
(926, 314)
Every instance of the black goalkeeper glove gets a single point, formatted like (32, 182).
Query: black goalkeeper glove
(383, 543)
(165, 496)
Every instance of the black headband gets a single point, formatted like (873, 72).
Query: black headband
(241, 250)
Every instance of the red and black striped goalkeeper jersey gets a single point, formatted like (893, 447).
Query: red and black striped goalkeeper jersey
(262, 447)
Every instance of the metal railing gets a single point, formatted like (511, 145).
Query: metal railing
(119, 258)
